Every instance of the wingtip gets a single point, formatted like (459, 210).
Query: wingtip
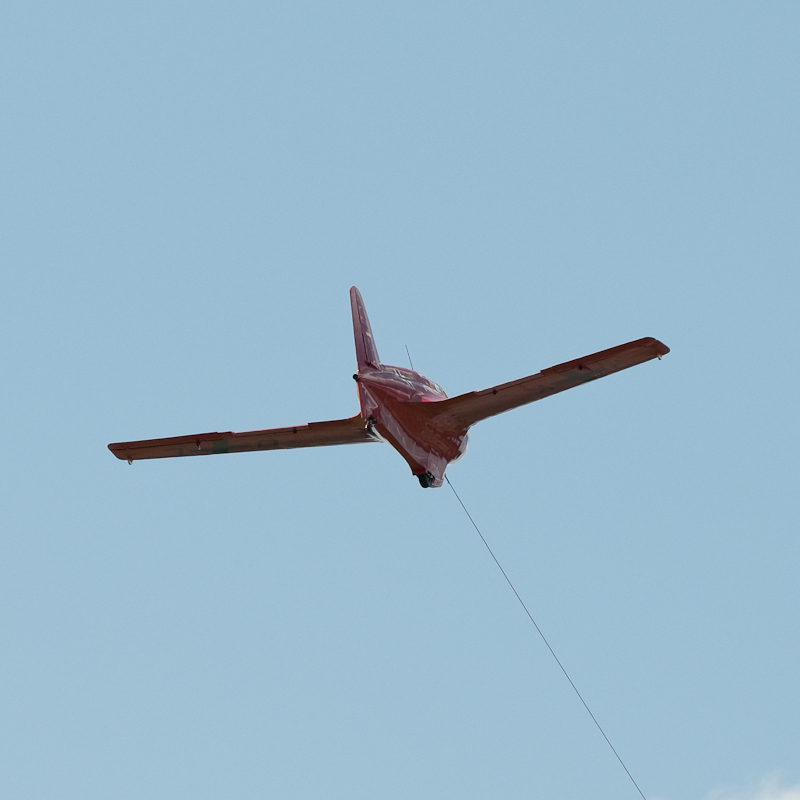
(114, 447)
(661, 348)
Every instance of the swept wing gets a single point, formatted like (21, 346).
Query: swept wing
(315, 434)
(467, 409)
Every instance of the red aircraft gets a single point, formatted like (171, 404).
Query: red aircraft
(404, 408)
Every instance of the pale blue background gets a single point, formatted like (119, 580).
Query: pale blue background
(188, 191)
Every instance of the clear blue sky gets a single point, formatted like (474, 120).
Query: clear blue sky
(189, 190)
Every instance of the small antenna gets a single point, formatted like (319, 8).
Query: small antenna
(409, 359)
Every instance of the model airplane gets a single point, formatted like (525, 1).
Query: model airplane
(404, 408)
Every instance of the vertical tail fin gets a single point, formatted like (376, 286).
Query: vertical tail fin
(366, 352)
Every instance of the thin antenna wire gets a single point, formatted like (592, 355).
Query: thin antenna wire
(409, 358)
(539, 630)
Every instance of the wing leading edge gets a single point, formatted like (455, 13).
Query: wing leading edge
(467, 409)
(315, 434)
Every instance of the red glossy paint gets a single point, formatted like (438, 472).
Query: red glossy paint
(404, 408)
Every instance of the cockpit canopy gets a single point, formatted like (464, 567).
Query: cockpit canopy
(415, 377)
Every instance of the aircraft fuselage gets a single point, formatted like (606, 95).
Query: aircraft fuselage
(393, 401)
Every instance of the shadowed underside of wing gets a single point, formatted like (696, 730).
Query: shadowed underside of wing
(467, 409)
(315, 434)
